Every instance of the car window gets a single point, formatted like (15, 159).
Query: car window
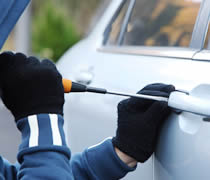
(162, 22)
(116, 25)
(158, 23)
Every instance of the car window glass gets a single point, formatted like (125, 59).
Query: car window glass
(162, 22)
(116, 25)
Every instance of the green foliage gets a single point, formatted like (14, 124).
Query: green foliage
(53, 31)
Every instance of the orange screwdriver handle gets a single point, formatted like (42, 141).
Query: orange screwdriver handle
(67, 85)
(70, 86)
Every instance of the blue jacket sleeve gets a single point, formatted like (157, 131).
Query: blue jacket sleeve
(7, 171)
(99, 162)
(43, 153)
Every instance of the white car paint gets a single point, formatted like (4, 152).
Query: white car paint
(183, 150)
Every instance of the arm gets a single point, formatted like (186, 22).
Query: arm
(138, 123)
(37, 105)
(48, 159)
(43, 152)
(7, 170)
(99, 162)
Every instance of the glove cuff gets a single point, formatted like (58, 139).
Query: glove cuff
(52, 105)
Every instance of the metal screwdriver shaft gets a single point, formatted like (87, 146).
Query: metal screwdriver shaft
(70, 86)
(156, 98)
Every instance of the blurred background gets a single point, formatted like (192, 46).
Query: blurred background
(46, 29)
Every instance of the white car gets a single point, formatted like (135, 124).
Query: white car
(135, 43)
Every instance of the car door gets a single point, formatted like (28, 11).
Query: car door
(144, 42)
(181, 139)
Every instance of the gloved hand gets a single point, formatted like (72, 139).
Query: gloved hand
(139, 121)
(29, 86)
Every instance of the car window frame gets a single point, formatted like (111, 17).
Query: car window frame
(109, 26)
(125, 22)
(201, 26)
(204, 54)
(195, 46)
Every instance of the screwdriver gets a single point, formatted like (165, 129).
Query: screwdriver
(178, 100)
(70, 86)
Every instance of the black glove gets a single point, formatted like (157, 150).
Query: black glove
(139, 121)
(29, 86)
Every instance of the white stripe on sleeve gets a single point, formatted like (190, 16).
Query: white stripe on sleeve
(34, 131)
(55, 130)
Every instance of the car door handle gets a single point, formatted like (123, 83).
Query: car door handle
(197, 101)
(84, 77)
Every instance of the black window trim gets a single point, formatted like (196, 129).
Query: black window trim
(109, 26)
(125, 22)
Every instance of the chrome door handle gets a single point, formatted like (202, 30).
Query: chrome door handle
(197, 102)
